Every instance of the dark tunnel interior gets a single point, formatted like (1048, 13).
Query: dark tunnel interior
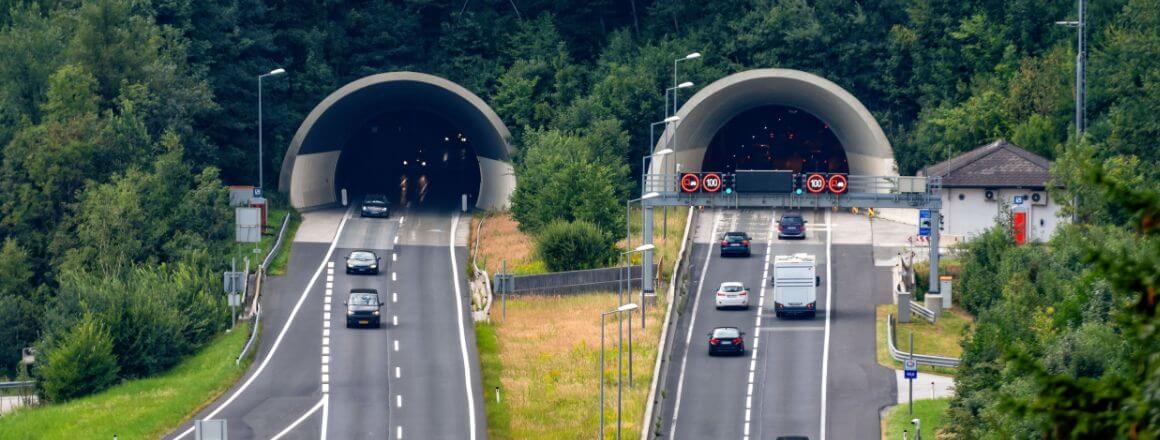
(776, 138)
(413, 157)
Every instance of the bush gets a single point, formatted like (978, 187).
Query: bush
(574, 245)
(81, 364)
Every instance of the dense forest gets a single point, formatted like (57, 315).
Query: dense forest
(121, 120)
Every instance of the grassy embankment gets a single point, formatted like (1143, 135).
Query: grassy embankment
(276, 212)
(929, 412)
(941, 338)
(545, 359)
(141, 408)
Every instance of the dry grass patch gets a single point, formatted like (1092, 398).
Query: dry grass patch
(545, 359)
(500, 240)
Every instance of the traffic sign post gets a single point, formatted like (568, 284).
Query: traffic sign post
(910, 372)
(816, 183)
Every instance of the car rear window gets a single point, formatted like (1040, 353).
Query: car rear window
(791, 220)
(734, 238)
(731, 288)
(726, 333)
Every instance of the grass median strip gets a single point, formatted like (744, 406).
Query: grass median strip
(141, 408)
(545, 359)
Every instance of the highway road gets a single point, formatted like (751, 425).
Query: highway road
(786, 384)
(416, 377)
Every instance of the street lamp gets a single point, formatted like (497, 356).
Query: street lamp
(625, 283)
(673, 89)
(691, 56)
(623, 308)
(1080, 69)
(274, 72)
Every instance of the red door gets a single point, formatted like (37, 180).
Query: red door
(1019, 223)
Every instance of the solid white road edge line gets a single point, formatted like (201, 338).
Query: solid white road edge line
(325, 413)
(285, 327)
(279, 435)
(692, 320)
(462, 332)
(829, 312)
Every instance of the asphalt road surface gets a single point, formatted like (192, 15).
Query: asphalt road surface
(415, 377)
(777, 387)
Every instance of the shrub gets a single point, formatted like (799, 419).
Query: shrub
(573, 245)
(81, 364)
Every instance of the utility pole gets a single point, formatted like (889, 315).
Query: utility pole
(1080, 68)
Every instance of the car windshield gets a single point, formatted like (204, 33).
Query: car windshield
(731, 288)
(364, 299)
(726, 333)
(375, 200)
(791, 221)
(362, 256)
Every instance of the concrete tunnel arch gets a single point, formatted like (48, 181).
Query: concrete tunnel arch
(706, 112)
(310, 166)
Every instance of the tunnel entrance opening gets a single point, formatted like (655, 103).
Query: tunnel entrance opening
(412, 156)
(776, 137)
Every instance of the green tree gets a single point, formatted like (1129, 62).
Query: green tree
(15, 270)
(562, 178)
(81, 363)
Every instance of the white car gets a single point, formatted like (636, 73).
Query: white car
(732, 294)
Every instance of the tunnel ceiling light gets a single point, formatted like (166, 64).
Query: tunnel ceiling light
(404, 162)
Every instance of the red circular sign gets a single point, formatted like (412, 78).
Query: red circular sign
(837, 184)
(816, 183)
(690, 182)
(711, 182)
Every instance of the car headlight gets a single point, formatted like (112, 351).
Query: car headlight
(350, 312)
(374, 266)
(376, 313)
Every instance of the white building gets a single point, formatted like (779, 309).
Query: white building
(979, 183)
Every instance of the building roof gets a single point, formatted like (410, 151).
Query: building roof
(999, 164)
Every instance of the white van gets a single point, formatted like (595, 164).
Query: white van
(795, 284)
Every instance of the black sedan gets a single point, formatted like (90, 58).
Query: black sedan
(726, 340)
(363, 308)
(362, 262)
(735, 243)
(791, 226)
(375, 205)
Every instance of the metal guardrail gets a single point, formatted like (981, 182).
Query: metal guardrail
(924, 312)
(474, 264)
(924, 359)
(277, 243)
(15, 385)
(253, 334)
(668, 331)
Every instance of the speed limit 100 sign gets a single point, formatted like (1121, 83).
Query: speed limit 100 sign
(711, 182)
(816, 183)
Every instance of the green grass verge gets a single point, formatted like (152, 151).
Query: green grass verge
(282, 258)
(929, 412)
(141, 408)
(940, 339)
(498, 413)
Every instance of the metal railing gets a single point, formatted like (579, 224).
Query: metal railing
(486, 309)
(17, 385)
(925, 313)
(277, 243)
(924, 359)
(653, 406)
(253, 334)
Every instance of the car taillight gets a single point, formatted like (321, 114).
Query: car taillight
(724, 243)
(736, 341)
(745, 242)
(744, 292)
(714, 341)
(810, 306)
(780, 228)
(803, 228)
(720, 293)
(778, 305)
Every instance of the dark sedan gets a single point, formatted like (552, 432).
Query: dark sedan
(726, 340)
(735, 243)
(362, 262)
(791, 226)
(375, 205)
(363, 308)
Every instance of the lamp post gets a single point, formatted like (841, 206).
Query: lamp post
(624, 308)
(688, 57)
(628, 240)
(274, 72)
(673, 90)
(625, 283)
(1080, 69)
